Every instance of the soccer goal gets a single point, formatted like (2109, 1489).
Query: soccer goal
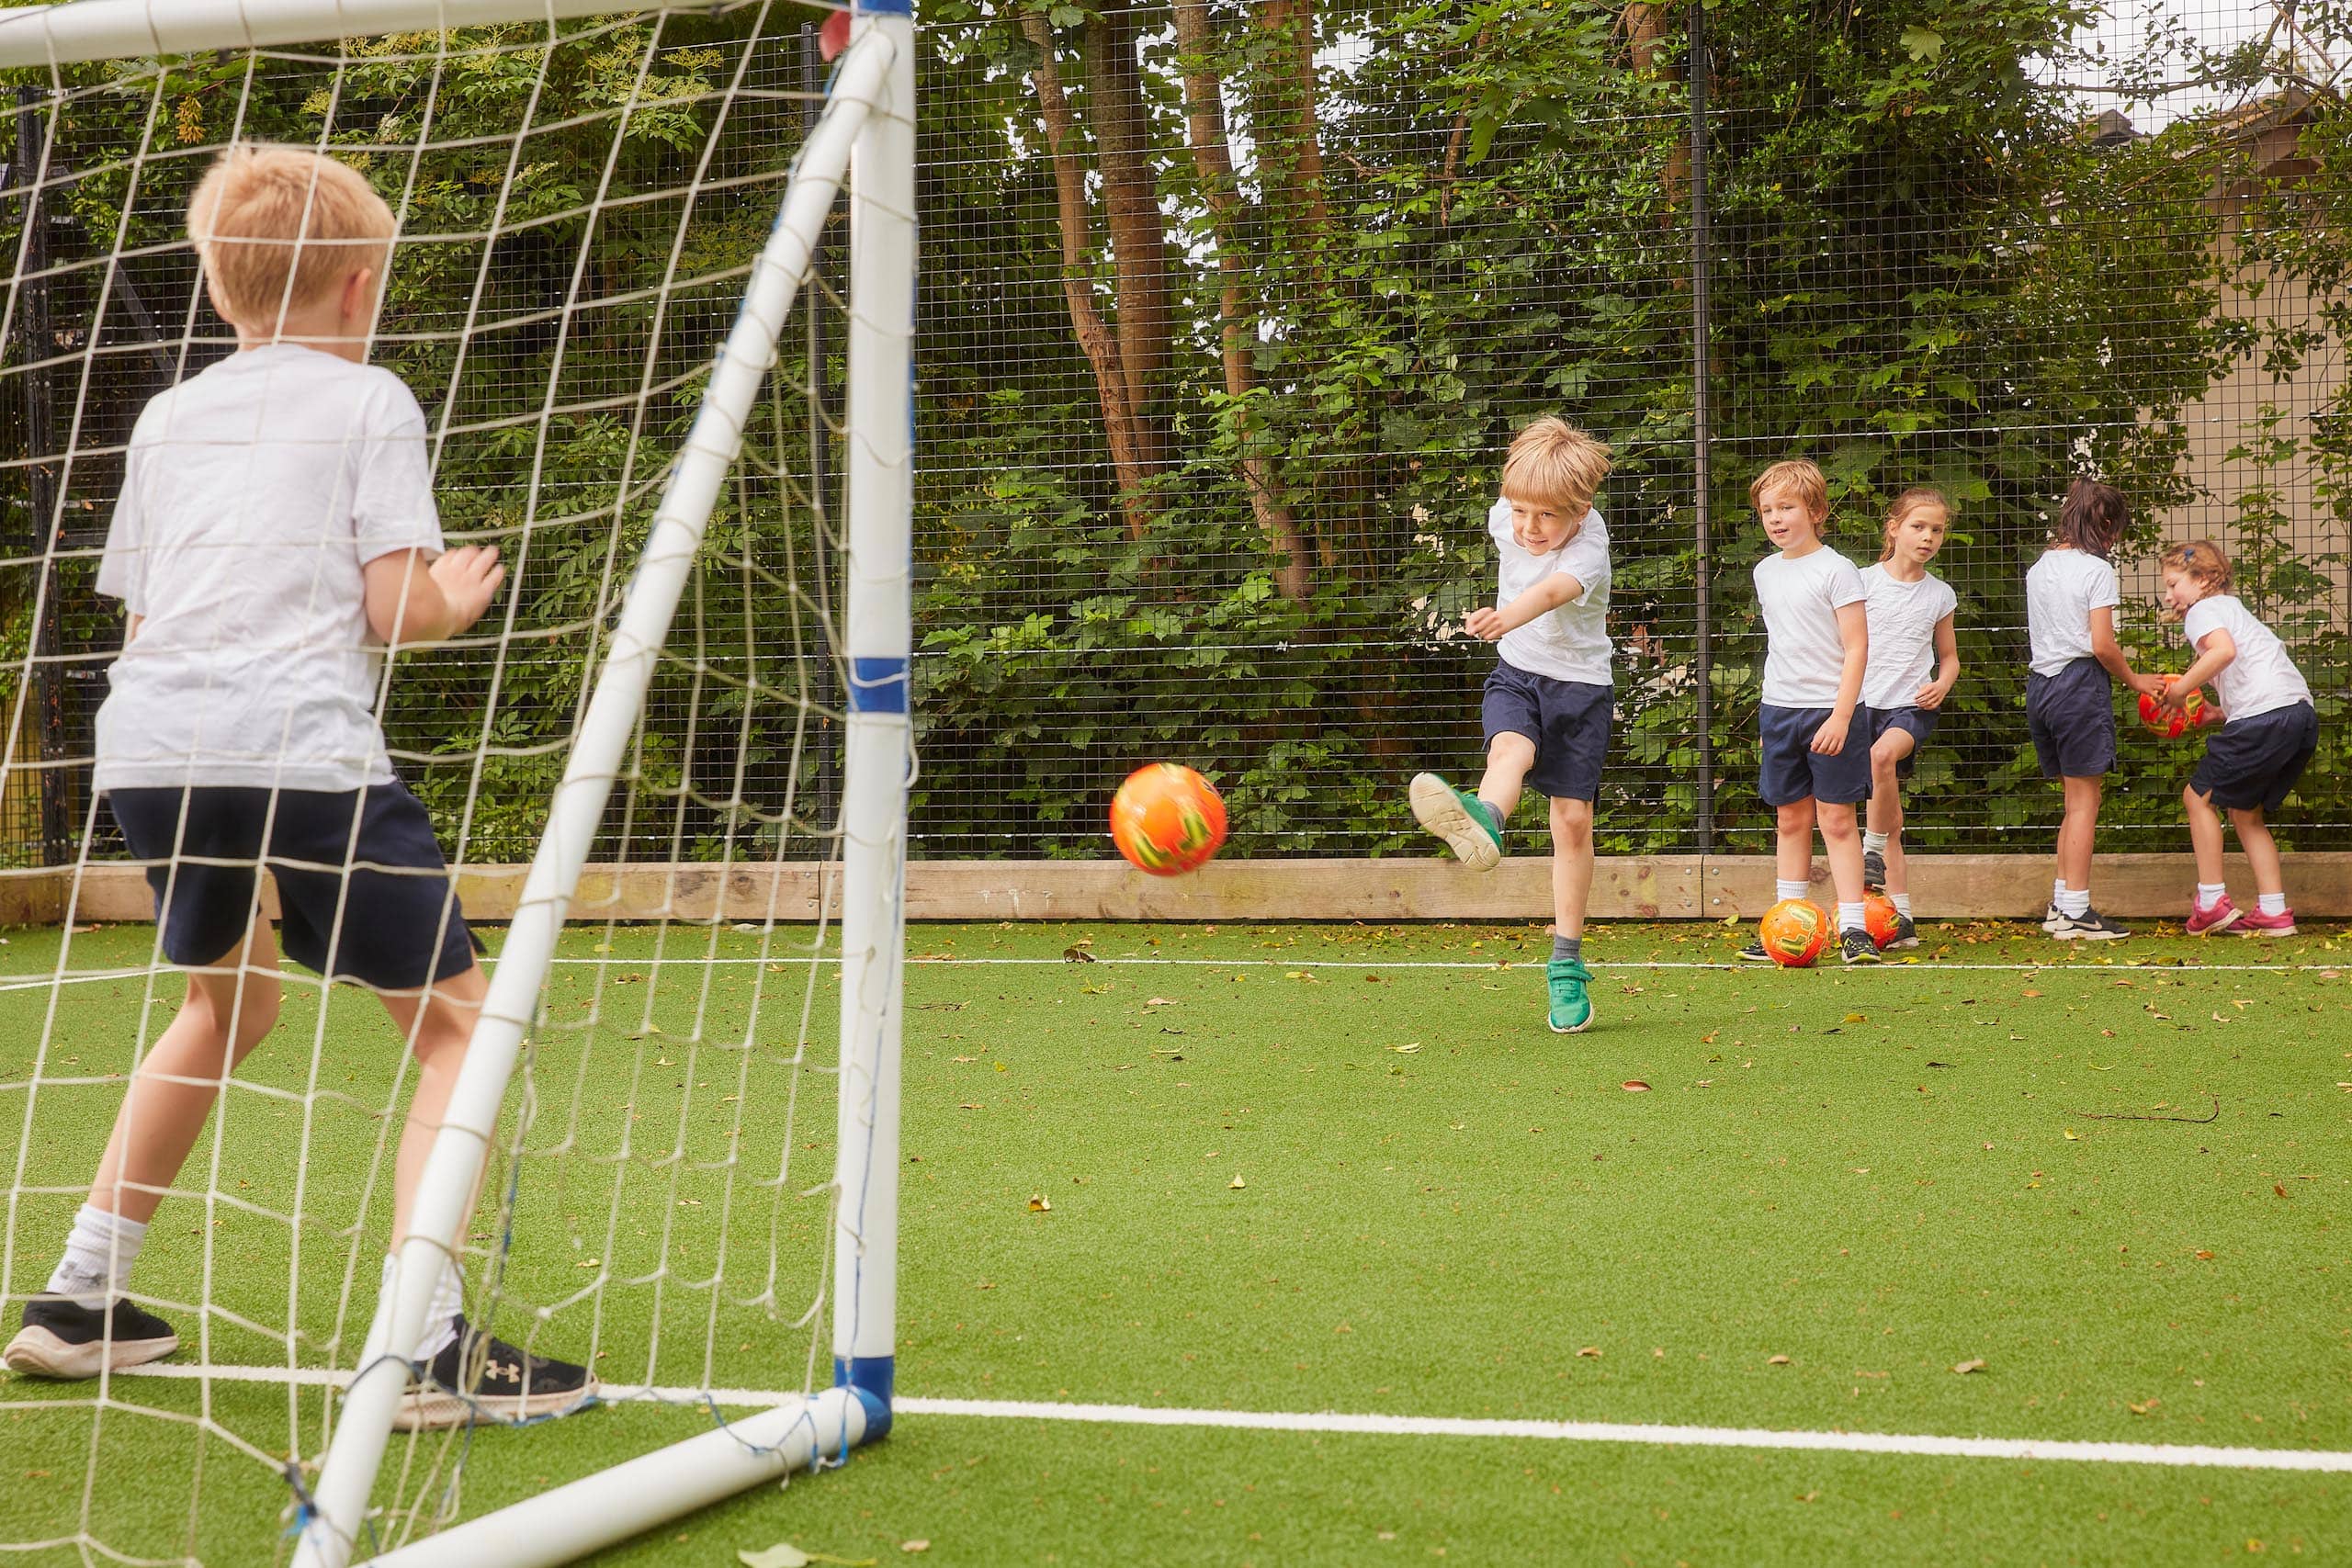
(673, 388)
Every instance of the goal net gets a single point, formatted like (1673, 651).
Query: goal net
(652, 285)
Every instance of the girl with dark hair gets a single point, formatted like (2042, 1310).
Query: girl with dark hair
(2070, 598)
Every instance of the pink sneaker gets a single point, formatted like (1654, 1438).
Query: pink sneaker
(2254, 922)
(2220, 917)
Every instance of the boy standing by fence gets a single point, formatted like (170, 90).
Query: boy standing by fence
(1549, 701)
(277, 532)
(1813, 732)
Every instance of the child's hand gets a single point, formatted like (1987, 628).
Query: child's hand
(2149, 686)
(1485, 624)
(1830, 738)
(2173, 694)
(1929, 696)
(468, 577)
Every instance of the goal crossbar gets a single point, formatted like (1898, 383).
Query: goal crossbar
(85, 30)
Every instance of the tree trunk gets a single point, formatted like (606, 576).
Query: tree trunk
(1131, 208)
(1111, 383)
(1292, 145)
(1213, 157)
(1644, 25)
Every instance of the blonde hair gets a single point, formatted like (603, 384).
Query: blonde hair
(1553, 464)
(1795, 474)
(2201, 561)
(280, 230)
(1919, 498)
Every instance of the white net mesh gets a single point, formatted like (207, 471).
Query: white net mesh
(578, 205)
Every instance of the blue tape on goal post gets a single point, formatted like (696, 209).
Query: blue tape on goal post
(884, 7)
(877, 685)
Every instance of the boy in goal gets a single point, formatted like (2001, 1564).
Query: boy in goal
(1549, 701)
(274, 535)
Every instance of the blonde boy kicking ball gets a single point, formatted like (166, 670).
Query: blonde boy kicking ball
(275, 533)
(1548, 703)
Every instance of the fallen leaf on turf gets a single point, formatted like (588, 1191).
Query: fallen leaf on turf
(1236, 1182)
(1975, 1366)
(1776, 1361)
(2143, 1409)
(2070, 1132)
(967, 1106)
(1855, 1018)
(1077, 954)
(2275, 1186)
(1406, 1049)
(2206, 1256)
(1807, 1497)
(1591, 1351)
(1157, 1002)
(783, 1554)
(1040, 1204)
(1634, 1086)
(1708, 1038)
(917, 1545)
(1862, 1170)
(962, 1058)
(2029, 993)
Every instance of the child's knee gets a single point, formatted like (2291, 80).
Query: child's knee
(257, 1012)
(1795, 817)
(1510, 748)
(1885, 763)
(1837, 822)
(1571, 819)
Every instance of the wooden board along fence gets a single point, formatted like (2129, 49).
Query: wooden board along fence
(1649, 888)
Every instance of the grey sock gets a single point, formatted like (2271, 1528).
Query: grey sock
(1568, 947)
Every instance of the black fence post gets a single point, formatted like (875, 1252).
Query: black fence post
(1701, 423)
(37, 337)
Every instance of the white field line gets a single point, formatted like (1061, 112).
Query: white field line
(2187, 1454)
(23, 982)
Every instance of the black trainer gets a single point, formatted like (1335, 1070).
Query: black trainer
(1855, 947)
(1873, 872)
(478, 1378)
(1905, 933)
(63, 1339)
(2089, 926)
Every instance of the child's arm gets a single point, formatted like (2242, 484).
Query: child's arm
(1931, 695)
(1854, 632)
(1544, 598)
(410, 603)
(2216, 652)
(2109, 652)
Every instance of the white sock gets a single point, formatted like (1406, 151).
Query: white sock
(2209, 894)
(1849, 917)
(1901, 904)
(2271, 902)
(2075, 901)
(2058, 892)
(1873, 843)
(98, 1255)
(441, 1317)
(1788, 889)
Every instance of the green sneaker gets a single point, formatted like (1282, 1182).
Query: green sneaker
(1465, 823)
(1571, 1008)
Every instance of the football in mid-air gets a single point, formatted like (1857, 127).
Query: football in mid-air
(1881, 918)
(1793, 931)
(2172, 723)
(1167, 819)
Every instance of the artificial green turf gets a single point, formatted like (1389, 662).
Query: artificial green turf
(1439, 1230)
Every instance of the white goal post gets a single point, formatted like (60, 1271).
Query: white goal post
(864, 139)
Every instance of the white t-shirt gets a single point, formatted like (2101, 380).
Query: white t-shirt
(1804, 657)
(253, 495)
(2262, 677)
(1903, 618)
(2062, 588)
(1570, 643)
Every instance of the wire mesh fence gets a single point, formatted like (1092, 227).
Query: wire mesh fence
(1229, 307)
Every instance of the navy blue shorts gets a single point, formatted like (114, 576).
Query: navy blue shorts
(2253, 763)
(1794, 771)
(1916, 722)
(401, 926)
(1568, 721)
(2072, 717)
